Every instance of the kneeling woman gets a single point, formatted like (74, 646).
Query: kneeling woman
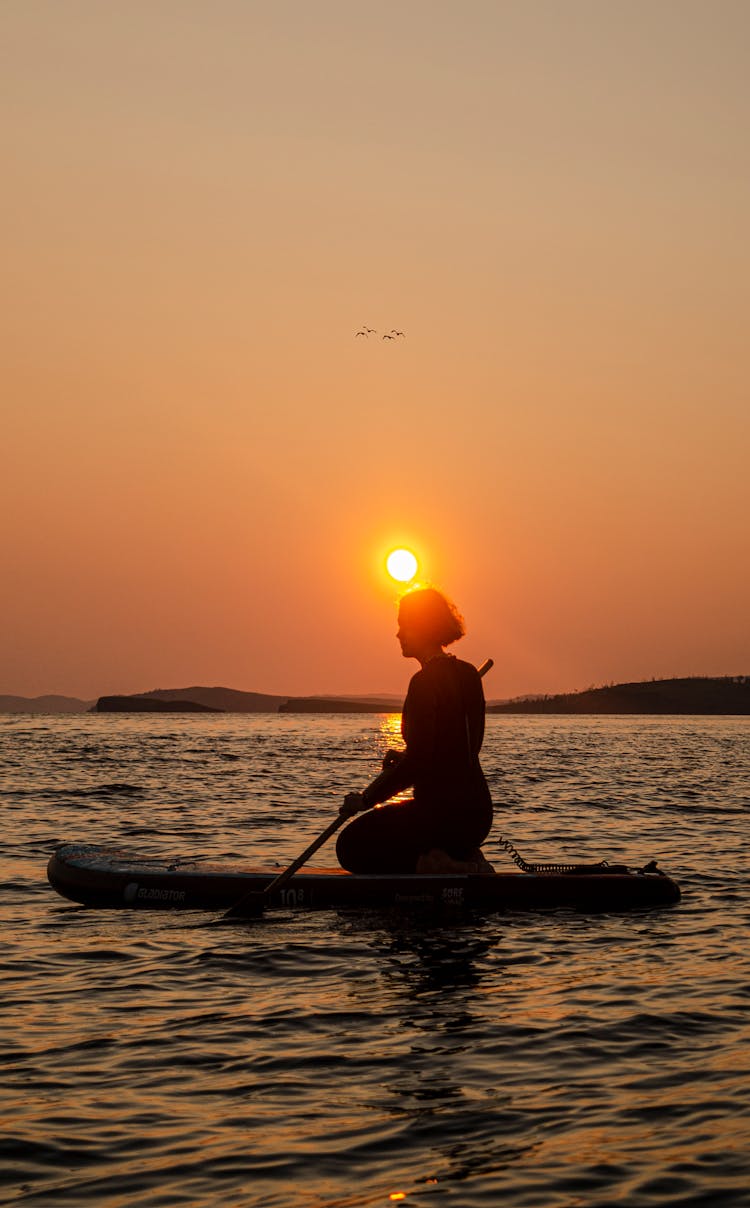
(440, 830)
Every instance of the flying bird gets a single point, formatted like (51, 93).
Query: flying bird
(393, 334)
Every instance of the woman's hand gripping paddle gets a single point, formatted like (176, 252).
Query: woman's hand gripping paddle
(251, 905)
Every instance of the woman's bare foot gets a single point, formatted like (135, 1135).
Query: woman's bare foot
(480, 864)
(438, 861)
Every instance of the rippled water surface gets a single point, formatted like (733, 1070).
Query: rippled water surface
(346, 1059)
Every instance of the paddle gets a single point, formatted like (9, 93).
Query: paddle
(251, 905)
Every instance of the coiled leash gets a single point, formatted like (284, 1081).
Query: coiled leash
(603, 867)
(551, 869)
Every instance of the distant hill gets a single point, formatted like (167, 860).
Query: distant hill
(727, 695)
(228, 700)
(148, 704)
(341, 704)
(44, 704)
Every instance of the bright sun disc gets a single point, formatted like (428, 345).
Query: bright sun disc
(402, 565)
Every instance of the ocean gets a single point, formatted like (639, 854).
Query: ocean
(347, 1059)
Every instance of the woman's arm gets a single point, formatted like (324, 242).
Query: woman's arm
(419, 733)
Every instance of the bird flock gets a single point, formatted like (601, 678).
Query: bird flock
(387, 335)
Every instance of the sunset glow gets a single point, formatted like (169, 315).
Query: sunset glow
(203, 467)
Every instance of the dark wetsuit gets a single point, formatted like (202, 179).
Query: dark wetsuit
(443, 727)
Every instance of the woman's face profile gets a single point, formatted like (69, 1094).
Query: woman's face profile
(408, 637)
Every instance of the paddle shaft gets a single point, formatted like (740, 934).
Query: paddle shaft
(281, 880)
(289, 872)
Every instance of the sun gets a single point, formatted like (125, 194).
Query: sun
(402, 565)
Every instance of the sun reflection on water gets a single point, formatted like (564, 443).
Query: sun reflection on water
(390, 731)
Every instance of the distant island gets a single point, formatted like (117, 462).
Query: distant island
(146, 704)
(332, 704)
(229, 700)
(726, 695)
(698, 695)
(212, 700)
(44, 704)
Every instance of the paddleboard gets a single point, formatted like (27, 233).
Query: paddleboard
(104, 876)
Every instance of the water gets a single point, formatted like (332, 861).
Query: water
(352, 1059)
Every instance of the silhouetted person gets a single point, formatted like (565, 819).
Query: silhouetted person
(450, 815)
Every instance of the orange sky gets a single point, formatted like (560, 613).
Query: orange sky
(203, 468)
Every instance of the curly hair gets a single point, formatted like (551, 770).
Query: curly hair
(433, 614)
